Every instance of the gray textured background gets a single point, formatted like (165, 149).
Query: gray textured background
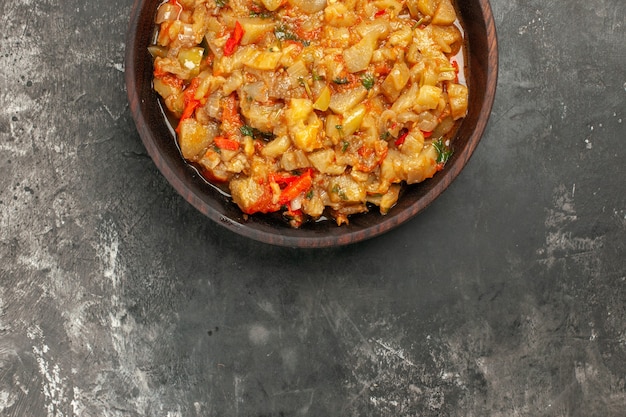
(506, 297)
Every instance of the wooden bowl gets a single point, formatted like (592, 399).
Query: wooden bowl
(159, 141)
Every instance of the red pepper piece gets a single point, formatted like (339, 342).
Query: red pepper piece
(226, 143)
(234, 40)
(401, 139)
(296, 187)
(282, 179)
(191, 104)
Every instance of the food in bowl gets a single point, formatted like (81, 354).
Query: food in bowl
(312, 109)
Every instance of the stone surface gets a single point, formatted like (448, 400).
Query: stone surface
(506, 297)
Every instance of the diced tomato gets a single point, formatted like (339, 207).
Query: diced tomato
(296, 187)
(234, 40)
(401, 139)
(380, 13)
(190, 108)
(282, 179)
(191, 104)
(382, 69)
(226, 143)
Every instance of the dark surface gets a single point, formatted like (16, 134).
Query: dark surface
(158, 138)
(506, 297)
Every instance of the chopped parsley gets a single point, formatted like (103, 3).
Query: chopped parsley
(255, 133)
(246, 130)
(258, 10)
(282, 33)
(261, 15)
(443, 151)
(304, 84)
(317, 77)
(368, 81)
(337, 190)
(341, 80)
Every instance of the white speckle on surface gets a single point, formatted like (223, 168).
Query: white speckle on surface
(108, 252)
(388, 350)
(118, 66)
(78, 408)
(7, 400)
(563, 244)
(585, 372)
(258, 334)
(237, 381)
(53, 385)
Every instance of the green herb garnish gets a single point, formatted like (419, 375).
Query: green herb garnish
(341, 80)
(255, 133)
(368, 81)
(317, 77)
(443, 151)
(246, 130)
(337, 190)
(282, 33)
(304, 84)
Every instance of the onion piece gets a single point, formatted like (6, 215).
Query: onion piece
(309, 6)
(187, 34)
(167, 12)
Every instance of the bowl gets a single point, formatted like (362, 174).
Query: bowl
(158, 138)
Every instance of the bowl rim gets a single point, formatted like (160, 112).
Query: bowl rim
(347, 235)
